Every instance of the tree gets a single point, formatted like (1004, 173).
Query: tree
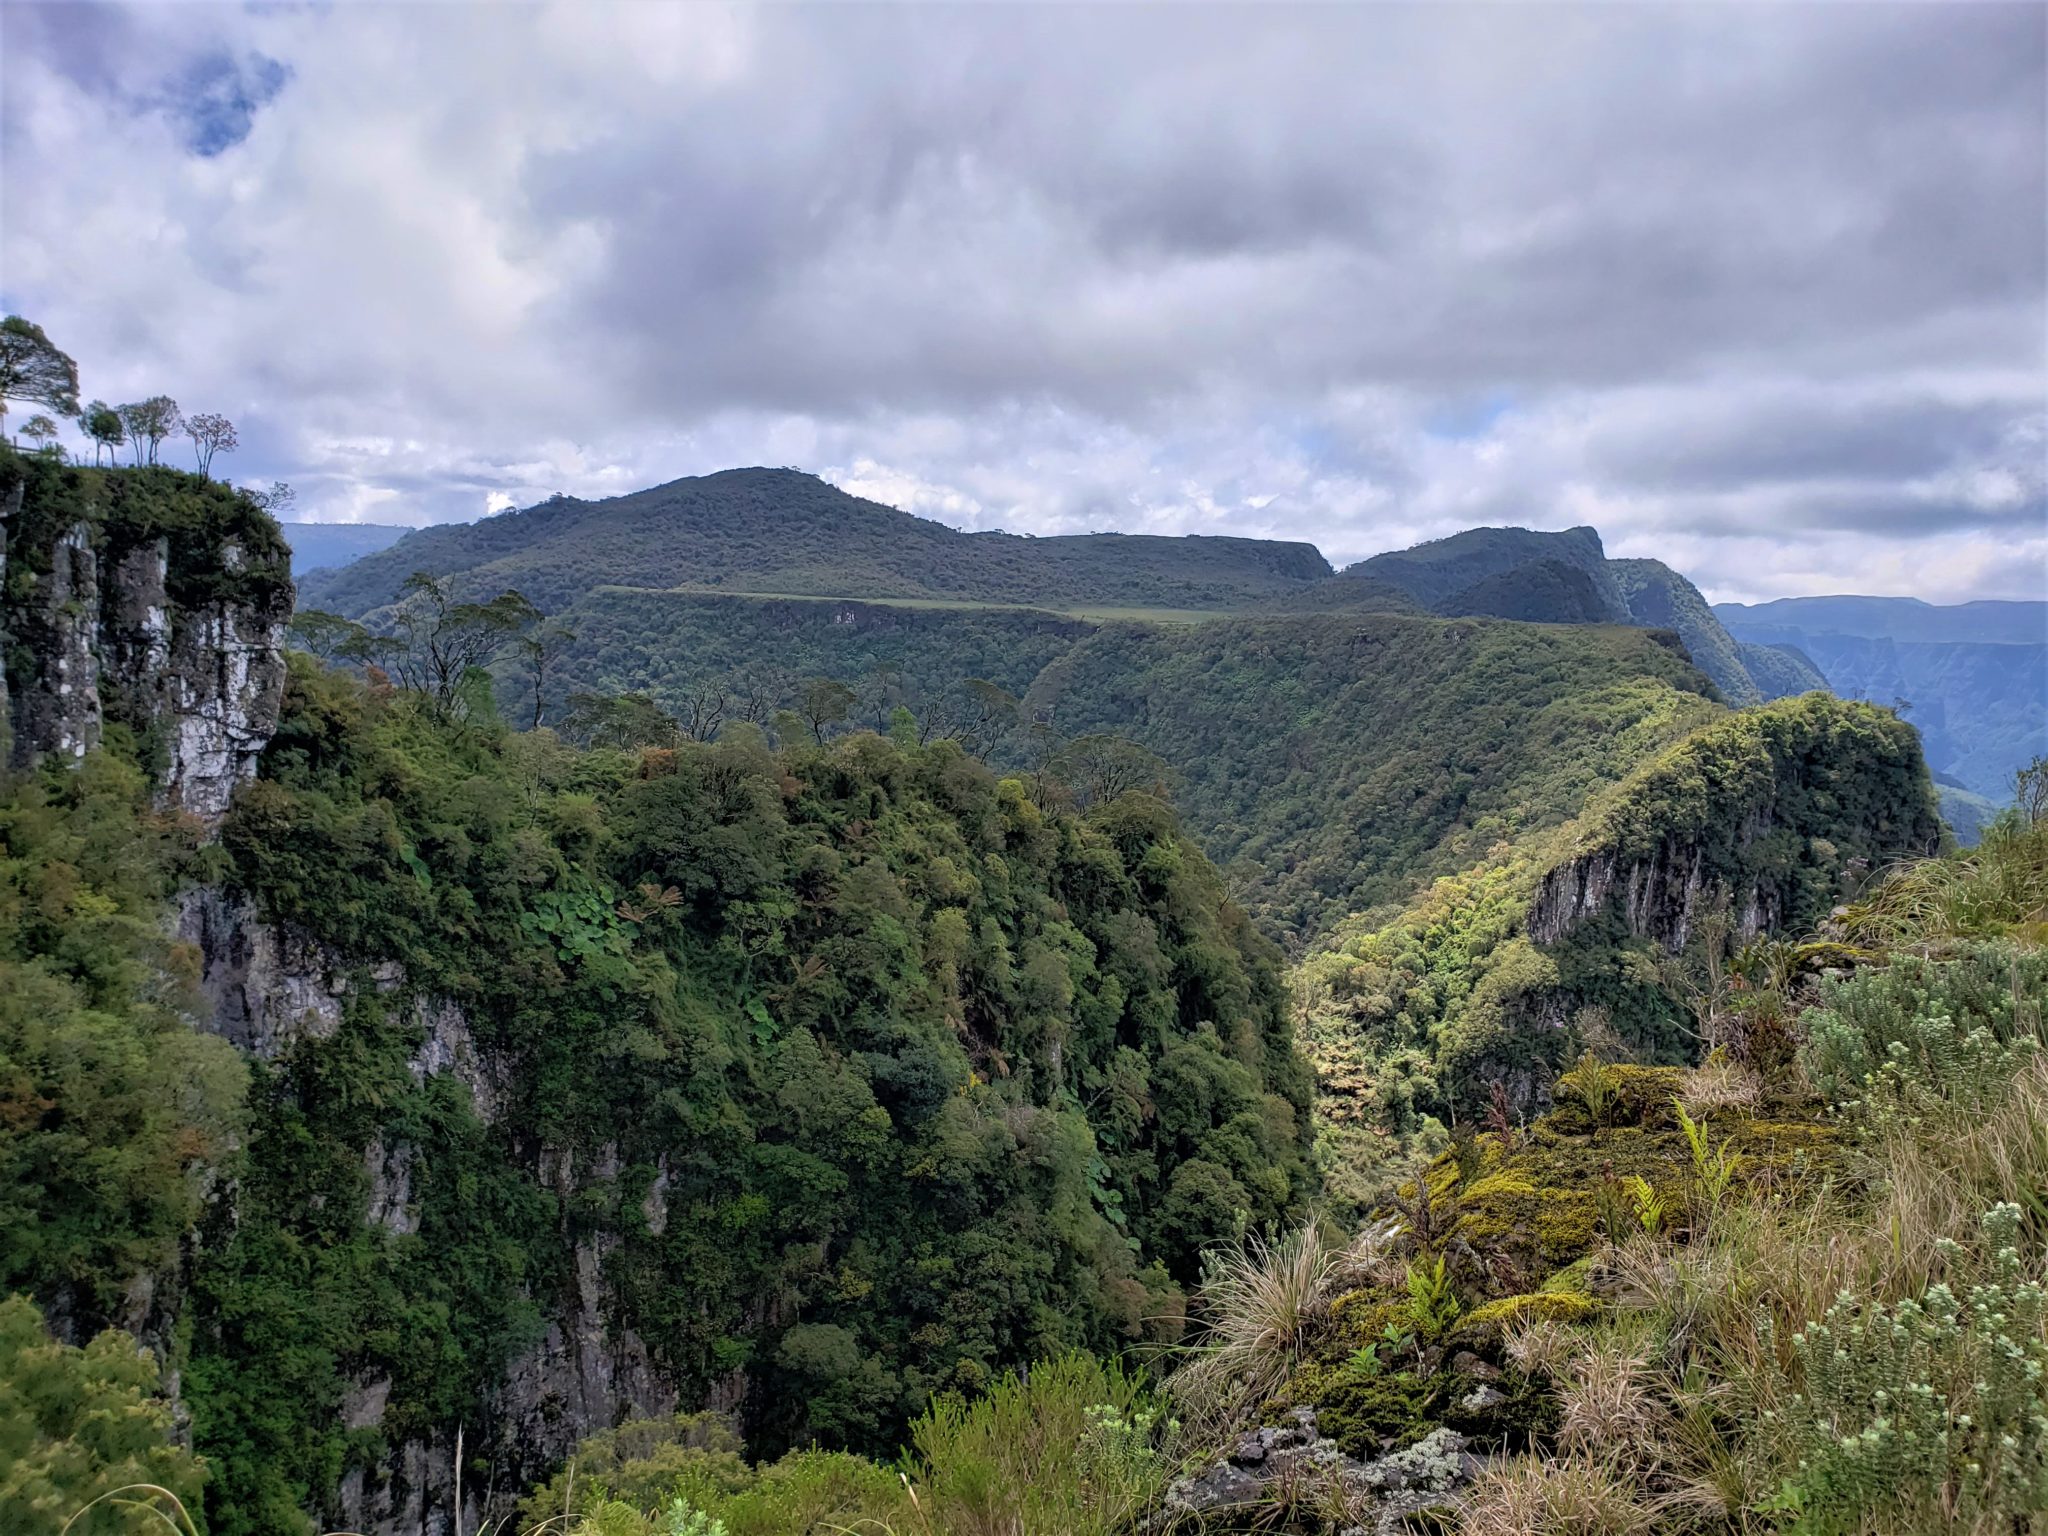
(32, 369)
(623, 720)
(211, 433)
(79, 1424)
(542, 646)
(824, 702)
(276, 500)
(704, 710)
(2030, 791)
(333, 638)
(442, 641)
(40, 430)
(149, 422)
(102, 424)
(1102, 767)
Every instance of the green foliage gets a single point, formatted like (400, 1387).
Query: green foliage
(114, 1116)
(1713, 1167)
(79, 1424)
(1072, 1444)
(1929, 1414)
(1917, 1031)
(956, 1078)
(1433, 1301)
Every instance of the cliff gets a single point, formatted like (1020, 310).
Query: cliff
(149, 599)
(1764, 818)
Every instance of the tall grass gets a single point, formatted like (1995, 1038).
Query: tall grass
(1262, 1305)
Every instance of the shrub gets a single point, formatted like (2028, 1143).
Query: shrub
(1930, 1414)
(1921, 1030)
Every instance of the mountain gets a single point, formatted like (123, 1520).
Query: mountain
(1988, 621)
(437, 1100)
(1555, 578)
(777, 531)
(1973, 677)
(1327, 761)
(320, 546)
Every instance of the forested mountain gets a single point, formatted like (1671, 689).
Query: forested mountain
(1973, 677)
(779, 531)
(1327, 761)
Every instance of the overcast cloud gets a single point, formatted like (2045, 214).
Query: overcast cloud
(1760, 291)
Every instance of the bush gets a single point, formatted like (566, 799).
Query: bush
(1930, 1414)
(1922, 1031)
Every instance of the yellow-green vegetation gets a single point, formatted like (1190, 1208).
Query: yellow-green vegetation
(1073, 1445)
(1501, 973)
(85, 1436)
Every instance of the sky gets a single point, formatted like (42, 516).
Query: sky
(1761, 291)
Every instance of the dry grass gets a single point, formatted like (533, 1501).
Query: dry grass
(1571, 1496)
(1262, 1305)
(1999, 887)
(1720, 1083)
(1611, 1407)
(1542, 1348)
(1942, 1178)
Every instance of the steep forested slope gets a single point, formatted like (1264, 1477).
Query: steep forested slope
(1756, 822)
(781, 531)
(1328, 760)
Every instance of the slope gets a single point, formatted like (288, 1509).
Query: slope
(783, 532)
(1547, 578)
(1328, 760)
(1757, 822)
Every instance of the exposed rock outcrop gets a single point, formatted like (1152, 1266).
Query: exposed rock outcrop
(1293, 1464)
(108, 619)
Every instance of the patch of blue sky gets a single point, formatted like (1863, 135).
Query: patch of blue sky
(1468, 416)
(215, 100)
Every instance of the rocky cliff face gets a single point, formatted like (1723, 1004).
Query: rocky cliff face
(1768, 811)
(162, 614)
(264, 988)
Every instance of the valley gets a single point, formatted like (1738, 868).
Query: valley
(733, 1056)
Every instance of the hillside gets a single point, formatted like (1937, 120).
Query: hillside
(431, 1095)
(1755, 823)
(779, 531)
(1551, 578)
(1327, 761)
(1973, 678)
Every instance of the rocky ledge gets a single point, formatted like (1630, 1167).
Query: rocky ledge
(1291, 1466)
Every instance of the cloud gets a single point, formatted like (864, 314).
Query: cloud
(1764, 285)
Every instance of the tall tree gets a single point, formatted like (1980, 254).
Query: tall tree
(442, 641)
(102, 424)
(824, 702)
(542, 645)
(40, 430)
(211, 433)
(277, 500)
(32, 369)
(149, 422)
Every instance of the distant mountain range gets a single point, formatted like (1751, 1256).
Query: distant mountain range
(1973, 678)
(782, 533)
(321, 546)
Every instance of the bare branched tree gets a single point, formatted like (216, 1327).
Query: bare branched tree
(211, 433)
